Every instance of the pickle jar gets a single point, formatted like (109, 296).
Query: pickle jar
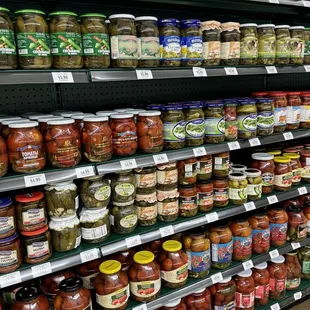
(278, 275)
(237, 191)
(33, 41)
(95, 41)
(245, 290)
(254, 187)
(260, 233)
(304, 259)
(66, 40)
(297, 45)
(305, 111)
(297, 224)
(280, 110)
(296, 167)
(283, 38)
(200, 299)
(230, 44)
(7, 217)
(220, 165)
(278, 220)
(204, 168)
(167, 204)
(247, 118)
(231, 121)
(293, 271)
(146, 179)
(124, 186)
(265, 116)
(307, 47)
(266, 44)
(167, 176)
(261, 279)
(147, 208)
(187, 171)
(248, 44)
(283, 175)
(188, 200)
(204, 196)
(293, 110)
(220, 192)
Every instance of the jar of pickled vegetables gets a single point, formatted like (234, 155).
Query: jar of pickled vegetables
(297, 45)
(204, 168)
(220, 192)
(283, 175)
(187, 171)
(146, 179)
(278, 275)
(248, 44)
(297, 224)
(237, 191)
(254, 187)
(265, 116)
(231, 120)
(168, 204)
(293, 110)
(200, 299)
(7, 217)
(4, 159)
(188, 200)
(295, 166)
(10, 253)
(278, 220)
(261, 279)
(260, 233)
(177, 304)
(304, 259)
(305, 111)
(245, 290)
(280, 110)
(305, 164)
(223, 294)
(293, 271)
(230, 44)
(220, 165)
(204, 196)
(247, 118)
(266, 44)
(283, 38)
(147, 208)
(167, 175)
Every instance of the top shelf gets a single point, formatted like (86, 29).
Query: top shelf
(284, 2)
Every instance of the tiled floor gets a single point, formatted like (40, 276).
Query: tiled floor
(304, 306)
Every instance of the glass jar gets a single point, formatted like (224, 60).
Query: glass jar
(204, 196)
(95, 41)
(125, 258)
(254, 187)
(124, 186)
(237, 191)
(124, 41)
(260, 233)
(211, 36)
(231, 120)
(222, 246)
(304, 259)
(280, 110)
(33, 40)
(66, 40)
(61, 198)
(168, 204)
(305, 164)
(188, 200)
(283, 38)
(66, 234)
(247, 118)
(265, 116)
(173, 264)
(296, 167)
(278, 275)
(95, 192)
(144, 277)
(10, 253)
(223, 294)
(297, 224)
(170, 42)
(200, 299)
(95, 225)
(147, 208)
(167, 176)
(305, 111)
(194, 123)
(306, 211)
(245, 290)
(261, 279)
(278, 220)
(25, 147)
(154, 246)
(293, 110)
(214, 122)
(230, 44)
(264, 163)
(7, 218)
(174, 126)
(191, 43)
(283, 175)
(63, 143)
(31, 211)
(237, 168)
(307, 46)
(266, 44)
(220, 165)
(293, 271)
(220, 192)
(177, 304)
(248, 44)
(187, 171)
(204, 168)
(88, 272)
(146, 179)
(43, 123)
(4, 159)
(297, 45)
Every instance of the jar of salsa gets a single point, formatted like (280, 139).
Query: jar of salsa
(305, 111)
(10, 253)
(25, 147)
(177, 304)
(220, 192)
(187, 171)
(4, 159)
(204, 168)
(261, 279)
(296, 167)
(188, 200)
(124, 134)
(280, 110)
(297, 224)
(223, 294)
(7, 217)
(204, 196)
(293, 271)
(63, 144)
(242, 240)
(231, 121)
(293, 110)
(221, 164)
(278, 275)
(305, 164)
(245, 290)
(278, 220)
(283, 174)
(97, 139)
(200, 299)
(260, 233)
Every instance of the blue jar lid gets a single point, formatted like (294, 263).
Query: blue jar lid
(246, 100)
(229, 101)
(154, 106)
(169, 22)
(263, 100)
(9, 239)
(4, 202)
(213, 103)
(190, 23)
(171, 107)
(192, 104)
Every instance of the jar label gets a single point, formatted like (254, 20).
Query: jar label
(305, 113)
(167, 177)
(305, 267)
(237, 193)
(96, 44)
(277, 285)
(283, 47)
(76, 202)
(66, 154)
(220, 194)
(265, 120)
(170, 47)
(125, 189)
(7, 45)
(66, 44)
(103, 193)
(283, 180)
(145, 289)
(150, 198)
(33, 216)
(262, 291)
(8, 258)
(78, 241)
(280, 115)
(231, 130)
(195, 129)
(188, 203)
(33, 44)
(267, 47)
(148, 48)
(38, 249)
(174, 131)
(129, 221)
(301, 231)
(230, 50)
(147, 213)
(146, 180)
(261, 238)
(222, 253)
(94, 233)
(198, 261)
(278, 232)
(248, 47)
(6, 224)
(242, 247)
(247, 123)
(211, 50)
(124, 47)
(88, 281)
(245, 300)
(205, 198)
(229, 306)
(307, 48)
(114, 300)
(254, 190)
(293, 283)
(125, 136)
(297, 175)
(214, 126)
(175, 276)
(191, 48)
(293, 115)
(190, 170)
(221, 163)
(268, 178)
(204, 167)
(97, 146)
(168, 208)
(297, 47)
(305, 172)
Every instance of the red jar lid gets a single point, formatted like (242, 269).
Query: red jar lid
(29, 197)
(259, 94)
(276, 93)
(305, 153)
(293, 93)
(305, 94)
(35, 232)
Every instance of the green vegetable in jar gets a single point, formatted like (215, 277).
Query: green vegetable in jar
(266, 44)
(283, 39)
(248, 44)
(254, 187)
(307, 47)
(146, 179)
(247, 118)
(265, 116)
(237, 191)
(230, 44)
(297, 45)
(147, 208)
(304, 259)
(124, 186)
(168, 204)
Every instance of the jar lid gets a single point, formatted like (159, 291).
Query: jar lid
(210, 24)
(93, 15)
(95, 119)
(190, 22)
(64, 121)
(211, 103)
(81, 116)
(281, 159)
(110, 267)
(35, 232)
(248, 25)
(276, 93)
(282, 26)
(238, 167)
(123, 110)
(278, 260)
(23, 124)
(150, 113)
(171, 107)
(245, 273)
(5, 118)
(70, 284)
(9, 121)
(297, 27)
(27, 293)
(199, 291)
(259, 93)
(4, 9)
(63, 13)
(121, 116)
(262, 156)
(57, 112)
(246, 101)
(136, 111)
(292, 93)
(266, 26)
(29, 197)
(252, 172)
(225, 280)
(35, 117)
(172, 246)
(114, 16)
(192, 105)
(169, 22)
(291, 155)
(29, 11)
(9, 239)
(70, 113)
(237, 176)
(141, 18)
(264, 100)
(173, 303)
(275, 152)
(143, 257)
(230, 26)
(261, 266)
(46, 119)
(5, 201)
(108, 114)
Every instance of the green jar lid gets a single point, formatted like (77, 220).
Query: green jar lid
(93, 15)
(305, 28)
(29, 11)
(62, 13)
(4, 9)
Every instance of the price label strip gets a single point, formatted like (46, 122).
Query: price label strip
(274, 254)
(272, 199)
(274, 1)
(144, 74)
(233, 145)
(89, 255)
(166, 231)
(199, 72)
(302, 190)
(307, 68)
(62, 77)
(288, 135)
(275, 307)
(297, 295)
(249, 206)
(35, 180)
(41, 270)
(84, 172)
(217, 278)
(128, 164)
(306, 4)
(199, 151)
(295, 245)
(212, 217)
(160, 159)
(247, 265)
(133, 241)
(271, 70)
(10, 279)
(254, 142)
(231, 71)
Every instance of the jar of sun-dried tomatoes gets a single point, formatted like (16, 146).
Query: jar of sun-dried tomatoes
(305, 110)
(293, 110)
(280, 110)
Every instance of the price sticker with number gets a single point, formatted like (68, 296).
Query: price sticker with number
(275, 307)
(133, 241)
(10, 279)
(247, 265)
(254, 142)
(288, 135)
(199, 151)
(35, 180)
(89, 255)
(306, 4)
(271, 69)
(166, 231)
(41, 270)
(62, 77)
(272, 199)
(212, 217)
(217, 277)
(297, 295)
(84, 172)
(144, 74)
(249, 206)
(141, 307)
(231, 71)
(128, 164)
(233, 145)
(307, 68)
(302, 190)
(199, 72)
(274, 1)
(160, 159)
(295, 245)
(274, 254)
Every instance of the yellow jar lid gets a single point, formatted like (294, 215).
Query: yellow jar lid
(275, 152)
(281, 159)
(172, 246)
(110, 267)
(291, 155)
(143, 257)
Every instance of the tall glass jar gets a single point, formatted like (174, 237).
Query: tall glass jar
(304, 259)
(296, 167)
(254, 187)
(283, 174)
(297, 45)
(280, 110)
(293, 271)
(278, 275)
(297, 224)
(260, 233)
(307, 47)
(283, 38)
(247, 118)
(293, 110)
(230, 44)
(223, 294)
(266, 44)
(237, 191)
(248, 44)
(265, 116)
(245, 290)
(261, 279)
(305, 111)
(278, 219)
(231, 120)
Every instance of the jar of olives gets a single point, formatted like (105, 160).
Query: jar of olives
(304, 258)
(220, 165)
(230, 44)
(124, 186)
(278, 219)
(293, 271)
(260, 233)
(265, 116)
(261, 279)
(297, 45)
(266, 44)
(248, 44)
(237, 191)
(254, 187)
(283, 38)
(147, 208)
(278, 275)
(168, 204)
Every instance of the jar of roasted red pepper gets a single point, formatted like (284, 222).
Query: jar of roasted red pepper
(200, 299)
(278, 275)
(204, 196)
(223, 294)
(283, 174)
(187, 171)
(305, 110)
(260, 233)
(97, 139)
(293, 271)
(245, 290)
(231, 121)
(305, 164)
(204, 167)
(278, 220)
(124, 134)
(296, 167)
(4, 159)
(261, 279)
(280, 110)
(63, 143)
(220, 192)
(221, 164)
(293, 110)
(188, 200)
(297, 224)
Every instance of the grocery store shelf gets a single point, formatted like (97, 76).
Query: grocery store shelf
(283, 2)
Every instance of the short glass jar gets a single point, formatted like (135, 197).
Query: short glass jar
(200, 299)
(168, 204)
(248, 44)
(230, 44)
(221, 165)
(204, 168)
(304, 259)
(305, 111)
(124, 186)
(187, 171)
(167, 175)
(283, 174)
(220, 192)
(247, 118)
(237, 191)
(7, 217)
(11, 254)
(204, 195)
(147, 208)
(146, 179)
(231, 119)
(188, 200)
(266, 44)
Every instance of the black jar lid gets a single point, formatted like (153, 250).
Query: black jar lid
(27, 293)
(71, 284)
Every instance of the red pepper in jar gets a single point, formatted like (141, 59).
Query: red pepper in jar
(261, 233)
(261, 279)
(245, 290)
(278, 274)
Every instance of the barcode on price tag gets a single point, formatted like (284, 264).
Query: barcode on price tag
(217, 277)
(141, 307)
(306, 4)
(41, 270)
(248, 265)
(199, 72)
(254, 142)
(274, 254)
(128, 164)
(275, 307)
(199, 151)
(10, 279)
(166, 231)
(62, 77)
(297, 295)
(133, 241)
(160, 159)
(272, 199)
(271, 69)
(35, 180)
(84, 172)
(233, 145)
(274, 1)
(302, 190)
(212, 217)
(295, 245)
(249, 206)
(89, 255)
(231, 71)
(307, 68)
(288, 135)
(144, 74)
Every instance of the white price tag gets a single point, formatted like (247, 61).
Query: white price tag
(89, 255)
(231, 71)
(288, 135)
(199, 72)
(166, 231)
(274, 1)
(247, 265)
(307, 68)
(254, 142)
(306, 4)
(249, 206)
(128, 164)
(84, 172)
(141, 307)
(133, 241)
(144, 74)
(233, 145)
(272, 199)
(217, 278)
(302, 190)
(160, 159)
(271, 69)
(41, 270)
(35, 180)
(212, 217)
(10, 279)
(275, 307)
(297, 295)
(199, 151)
(274, 254)
(62, 77)
(295, 245)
